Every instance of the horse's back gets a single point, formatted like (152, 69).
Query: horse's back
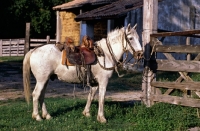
(44, 60)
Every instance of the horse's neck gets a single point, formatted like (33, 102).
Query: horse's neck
(115, 40)
(116, 48)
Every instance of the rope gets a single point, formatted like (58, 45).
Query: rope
(150, 53)
(114, 58)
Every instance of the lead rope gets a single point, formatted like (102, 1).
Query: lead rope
(111, 52)
(151, 52)
(113, 57)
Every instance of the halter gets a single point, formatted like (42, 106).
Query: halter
(114, 58)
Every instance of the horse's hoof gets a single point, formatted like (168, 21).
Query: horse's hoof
(87, 114)
(37, 117)
(101, 119)
(46, 116)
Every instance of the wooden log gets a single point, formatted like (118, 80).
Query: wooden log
(35, 44)
(150, 21)
(177, 48)
(170, 57)
(38, 40)
(42, 40)
(148, 76)
(193, 47)
(174, 85)
(180, 33)
(178, 65)
(197, 58)
(188, 92)
(27, 39)
(13, 54)
(48, 39)
(10, 48)
(58, 27)
(177, 100)
(18, 48)
(170, 90)
(13, 42)
(1, 48)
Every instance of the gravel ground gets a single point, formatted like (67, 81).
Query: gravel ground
(11, 86)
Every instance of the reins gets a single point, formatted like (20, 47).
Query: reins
(114, 58)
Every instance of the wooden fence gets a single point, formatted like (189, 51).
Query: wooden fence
(152, 87)
(15, 47)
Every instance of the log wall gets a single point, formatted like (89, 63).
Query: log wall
(70, 28)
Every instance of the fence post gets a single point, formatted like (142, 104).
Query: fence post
(1, 47)
(27, 39)
(58, 26)
(18, 47)
(150, 21)
(10, 48)
(48, 39)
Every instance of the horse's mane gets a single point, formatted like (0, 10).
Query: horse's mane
(116, 33)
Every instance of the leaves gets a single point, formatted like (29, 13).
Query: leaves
(39, 12)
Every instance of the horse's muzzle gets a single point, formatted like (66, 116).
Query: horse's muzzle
(138, 55)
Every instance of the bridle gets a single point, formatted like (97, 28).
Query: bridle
(117, 63)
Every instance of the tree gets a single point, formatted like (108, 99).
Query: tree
(39, 12)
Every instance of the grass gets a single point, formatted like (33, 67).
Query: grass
(121, 116)
(130, 81)
(11, 59)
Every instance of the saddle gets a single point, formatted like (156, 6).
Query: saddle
(78, 55)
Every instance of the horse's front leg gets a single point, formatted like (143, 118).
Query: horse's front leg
(102, 90)
(86, 111)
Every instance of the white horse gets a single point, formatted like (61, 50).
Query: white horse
(45, 61)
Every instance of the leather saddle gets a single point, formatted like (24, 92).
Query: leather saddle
(78, 55)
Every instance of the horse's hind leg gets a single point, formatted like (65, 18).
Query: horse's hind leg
(45, 114)
(91, 95)
(38, 95)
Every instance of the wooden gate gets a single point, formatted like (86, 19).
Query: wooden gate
(151, 86)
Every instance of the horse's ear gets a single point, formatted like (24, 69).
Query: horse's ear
(135, 26)
(129, 27)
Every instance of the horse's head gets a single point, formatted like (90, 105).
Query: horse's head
(132, 39)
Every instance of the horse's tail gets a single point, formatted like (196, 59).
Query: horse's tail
(26, 76)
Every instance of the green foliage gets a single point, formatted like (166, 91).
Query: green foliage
(121, 116)
(195, 76)
(12, 59)
(39, 12)
(130, 81)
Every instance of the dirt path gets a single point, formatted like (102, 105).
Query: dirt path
(11, 86)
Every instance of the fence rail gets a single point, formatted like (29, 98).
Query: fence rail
(152, 92)
(15, 47)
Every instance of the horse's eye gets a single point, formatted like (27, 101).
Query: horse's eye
(131, 38)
